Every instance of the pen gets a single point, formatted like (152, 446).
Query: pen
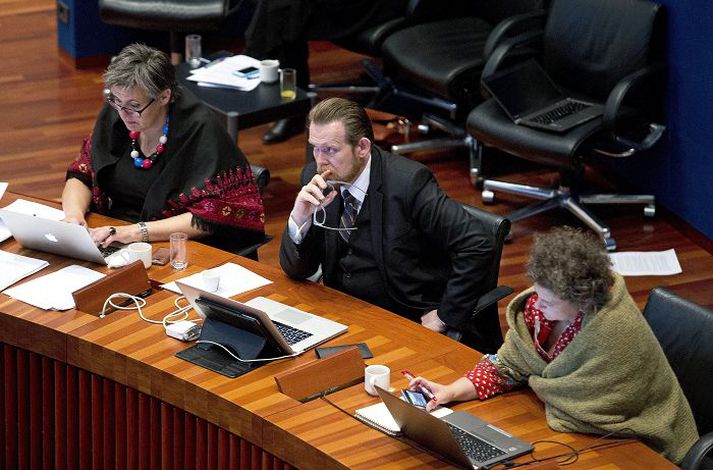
(423, 389)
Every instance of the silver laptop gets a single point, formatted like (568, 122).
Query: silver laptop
(530, 98)
(294, 330)
(460, 437)
(53, 236)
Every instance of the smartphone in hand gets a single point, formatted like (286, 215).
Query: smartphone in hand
(417, 399)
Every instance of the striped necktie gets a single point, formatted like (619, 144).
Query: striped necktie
(349, 214)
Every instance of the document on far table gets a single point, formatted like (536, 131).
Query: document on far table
(3, 187)
(646, 263)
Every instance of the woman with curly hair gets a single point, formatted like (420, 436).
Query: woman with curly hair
(579, 341)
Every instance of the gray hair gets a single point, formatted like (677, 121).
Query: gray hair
(574, 265)
(356, 122)
(141, 66)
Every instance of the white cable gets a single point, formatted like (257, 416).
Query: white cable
(140, 302)
(205, 341)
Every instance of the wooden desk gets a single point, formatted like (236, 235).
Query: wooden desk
(85, 392)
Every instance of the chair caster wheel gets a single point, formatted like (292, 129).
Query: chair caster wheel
(650, 211)
(610, 244)
(488, 196)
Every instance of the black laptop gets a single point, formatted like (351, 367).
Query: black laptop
(530, 98)
(460, 437)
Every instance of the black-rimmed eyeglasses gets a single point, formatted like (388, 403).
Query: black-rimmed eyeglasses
(129, 109)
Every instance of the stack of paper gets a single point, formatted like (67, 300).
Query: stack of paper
(234, 280)
(32, 208)
(222, 73)
(54, 291)
(646, 263)
(15, 267)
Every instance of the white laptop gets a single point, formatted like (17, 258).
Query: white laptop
(294, 330)
(53, 236)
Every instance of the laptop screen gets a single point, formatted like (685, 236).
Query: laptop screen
(523, 89)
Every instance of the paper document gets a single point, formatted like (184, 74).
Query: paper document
(234, 280)
(54, 291)
(3, 187)
(28, 207)
(15, 267)
(646, 263)
(222, 73)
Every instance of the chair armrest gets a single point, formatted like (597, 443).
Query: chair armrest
(506, 27)
(697, 452)
(251, 250)
(506, 46)
(615, 110)
(626, 86)
(486, 300)
(261, 175)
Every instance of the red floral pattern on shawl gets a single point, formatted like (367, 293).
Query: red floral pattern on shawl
(231, 200)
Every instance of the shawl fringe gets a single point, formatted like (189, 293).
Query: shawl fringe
(232, 200)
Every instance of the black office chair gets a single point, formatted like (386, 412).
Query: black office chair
(605, 51)
(369, 42)
(436, 67)
(173, 16)
(483, 332)
(685, 331)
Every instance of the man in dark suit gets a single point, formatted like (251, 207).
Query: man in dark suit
(380, 226)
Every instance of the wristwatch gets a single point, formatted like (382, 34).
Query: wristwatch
(144, 231)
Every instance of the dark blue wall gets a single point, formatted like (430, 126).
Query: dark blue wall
(680, 170)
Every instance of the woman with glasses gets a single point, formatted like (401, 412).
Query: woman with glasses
(580, 342)
(159, 159)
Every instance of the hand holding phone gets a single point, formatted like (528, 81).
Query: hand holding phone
(417, 399)
(426, 392)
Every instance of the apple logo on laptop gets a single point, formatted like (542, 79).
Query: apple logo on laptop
(51, 238)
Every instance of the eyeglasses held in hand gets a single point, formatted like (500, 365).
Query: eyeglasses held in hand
(110, 99)
(319, 216)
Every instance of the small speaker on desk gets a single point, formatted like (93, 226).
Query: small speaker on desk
(131, 279)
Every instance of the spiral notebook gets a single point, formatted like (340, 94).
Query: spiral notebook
(379, 417)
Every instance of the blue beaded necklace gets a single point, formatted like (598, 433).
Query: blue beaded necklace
(147, 162)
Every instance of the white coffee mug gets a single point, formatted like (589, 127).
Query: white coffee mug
(376, 375)
(211, 280)
(269, 70)
(138, 251)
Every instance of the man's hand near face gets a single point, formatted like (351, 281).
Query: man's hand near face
(310, 197)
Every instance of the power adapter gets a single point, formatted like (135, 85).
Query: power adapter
(184, 330)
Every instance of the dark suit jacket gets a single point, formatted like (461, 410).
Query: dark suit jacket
(430, 252)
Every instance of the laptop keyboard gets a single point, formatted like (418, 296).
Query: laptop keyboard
(561, 112)
(292, 335)
(475, 448)
(109, 250)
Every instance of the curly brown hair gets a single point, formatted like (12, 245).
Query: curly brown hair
(574, 265)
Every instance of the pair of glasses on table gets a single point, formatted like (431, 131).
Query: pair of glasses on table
(319, 216)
